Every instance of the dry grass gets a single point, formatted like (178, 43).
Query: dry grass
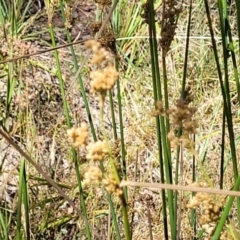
(38, 125)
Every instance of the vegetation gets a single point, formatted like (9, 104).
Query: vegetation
(119, 119)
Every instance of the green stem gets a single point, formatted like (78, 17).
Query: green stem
(67, 116)
(117, 178)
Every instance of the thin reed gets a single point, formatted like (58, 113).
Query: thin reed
(126, 128)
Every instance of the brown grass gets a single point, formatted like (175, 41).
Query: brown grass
(38, 125)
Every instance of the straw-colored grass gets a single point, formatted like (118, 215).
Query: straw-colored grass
(81, 143)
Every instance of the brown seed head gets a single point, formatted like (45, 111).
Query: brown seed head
(97, 151)
(93, 174)
(78, 136)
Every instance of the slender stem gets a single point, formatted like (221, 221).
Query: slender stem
(67, 116)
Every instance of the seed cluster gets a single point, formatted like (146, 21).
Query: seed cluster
(94, 27)
(105, 75)
(145, 13)
(50, 8)
(68, 16)
(182, 116)
(112, 186)
(92, 175)
(210, 207)
(78, 136)
(102, 80)
(169, 15)
(108, 40)
(159, 110)
(97, 151)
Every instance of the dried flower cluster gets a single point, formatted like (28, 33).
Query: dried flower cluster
(50, 7)
(105, 76)
(159, 110)
(101, 57)
(94, 27)
(112, 186)
(181, 116)
(78, 136)
(68, 16)
(93, 174)
(209, 207)
(145, 14)
(103, 80)
(169, 15)
(97, 151)
(108, 40)
(116, 148)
